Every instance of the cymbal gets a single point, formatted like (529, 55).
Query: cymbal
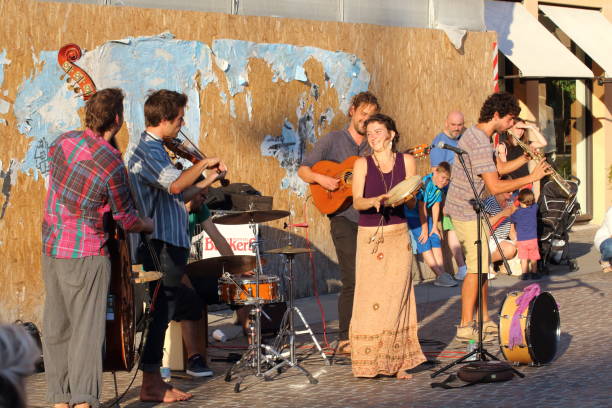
(289, 250)
(247, 217)
(214, 267)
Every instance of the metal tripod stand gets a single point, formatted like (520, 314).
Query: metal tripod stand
(287, 330)
(257, 354)
(481, 353)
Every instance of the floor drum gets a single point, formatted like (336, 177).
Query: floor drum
(540, 329)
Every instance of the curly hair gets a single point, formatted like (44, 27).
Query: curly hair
(364, 98)
(389, 124)
(503, 103)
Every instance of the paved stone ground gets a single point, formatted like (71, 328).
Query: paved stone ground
(578, 376)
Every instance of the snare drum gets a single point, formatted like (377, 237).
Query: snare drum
(268, 289)
(540, 329)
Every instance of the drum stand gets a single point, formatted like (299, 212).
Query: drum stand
(287, 332)
(257, 353)
(480, 352)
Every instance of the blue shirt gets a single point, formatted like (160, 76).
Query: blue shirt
(437, 155)
(151, 174)
(525, 220)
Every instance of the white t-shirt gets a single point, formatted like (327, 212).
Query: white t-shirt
(605, 231)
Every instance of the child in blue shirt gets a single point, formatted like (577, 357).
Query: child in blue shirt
(525, 221)
(423, 222)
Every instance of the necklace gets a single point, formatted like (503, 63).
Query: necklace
(376, 238)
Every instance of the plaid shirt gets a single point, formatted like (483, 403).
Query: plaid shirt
(87, 181)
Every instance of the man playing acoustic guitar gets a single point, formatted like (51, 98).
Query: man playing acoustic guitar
(337, 146)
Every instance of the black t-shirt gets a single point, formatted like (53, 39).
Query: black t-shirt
(514, 152)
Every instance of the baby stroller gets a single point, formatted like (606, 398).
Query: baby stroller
(557, 213)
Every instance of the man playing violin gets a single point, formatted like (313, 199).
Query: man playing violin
(338, 146)
(162, 191)
(88, 183)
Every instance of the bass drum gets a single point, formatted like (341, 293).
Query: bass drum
(540, 329)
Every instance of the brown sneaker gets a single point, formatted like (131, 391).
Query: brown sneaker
(605, 266)
(489, 326)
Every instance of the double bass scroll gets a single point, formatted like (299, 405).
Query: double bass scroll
(66, 58)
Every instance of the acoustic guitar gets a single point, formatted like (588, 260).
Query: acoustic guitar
(329, 202)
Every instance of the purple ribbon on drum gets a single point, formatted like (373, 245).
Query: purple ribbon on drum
(516, 334)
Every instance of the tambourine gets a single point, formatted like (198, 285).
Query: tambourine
(403, 189)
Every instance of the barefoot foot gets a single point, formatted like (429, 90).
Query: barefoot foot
(154, 389)
(344, 346)
(403, 375)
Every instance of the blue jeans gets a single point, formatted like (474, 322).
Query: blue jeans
(606, 250)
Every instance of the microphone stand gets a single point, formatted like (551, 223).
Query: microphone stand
(480, 352)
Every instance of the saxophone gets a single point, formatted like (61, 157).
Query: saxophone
(538, 157)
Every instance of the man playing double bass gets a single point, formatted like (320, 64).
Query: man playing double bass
(87, 183)
(163, 191)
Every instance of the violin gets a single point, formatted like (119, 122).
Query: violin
(193, 154)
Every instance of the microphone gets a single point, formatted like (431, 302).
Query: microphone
(442, 145)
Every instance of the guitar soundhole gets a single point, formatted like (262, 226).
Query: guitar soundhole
(347, 177)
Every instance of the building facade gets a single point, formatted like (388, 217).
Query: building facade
(565, 86)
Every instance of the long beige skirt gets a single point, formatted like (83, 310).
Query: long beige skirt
(383, 331)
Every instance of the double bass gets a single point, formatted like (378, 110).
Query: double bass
(119, 348)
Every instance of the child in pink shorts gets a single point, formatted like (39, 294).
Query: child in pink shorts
(526, 224)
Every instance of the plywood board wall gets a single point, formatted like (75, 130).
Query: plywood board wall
(416, 73)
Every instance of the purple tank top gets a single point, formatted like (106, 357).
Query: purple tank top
(374, 186)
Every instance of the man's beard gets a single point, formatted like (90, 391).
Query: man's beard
(361, 130)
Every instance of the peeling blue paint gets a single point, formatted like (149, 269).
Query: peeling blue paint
(5, 106)
(45, 107)
(344, 71)
(3, 61)
(248, 99)
(289, 147)
(233, 109)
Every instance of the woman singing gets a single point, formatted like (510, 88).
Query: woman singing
(383, 330)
